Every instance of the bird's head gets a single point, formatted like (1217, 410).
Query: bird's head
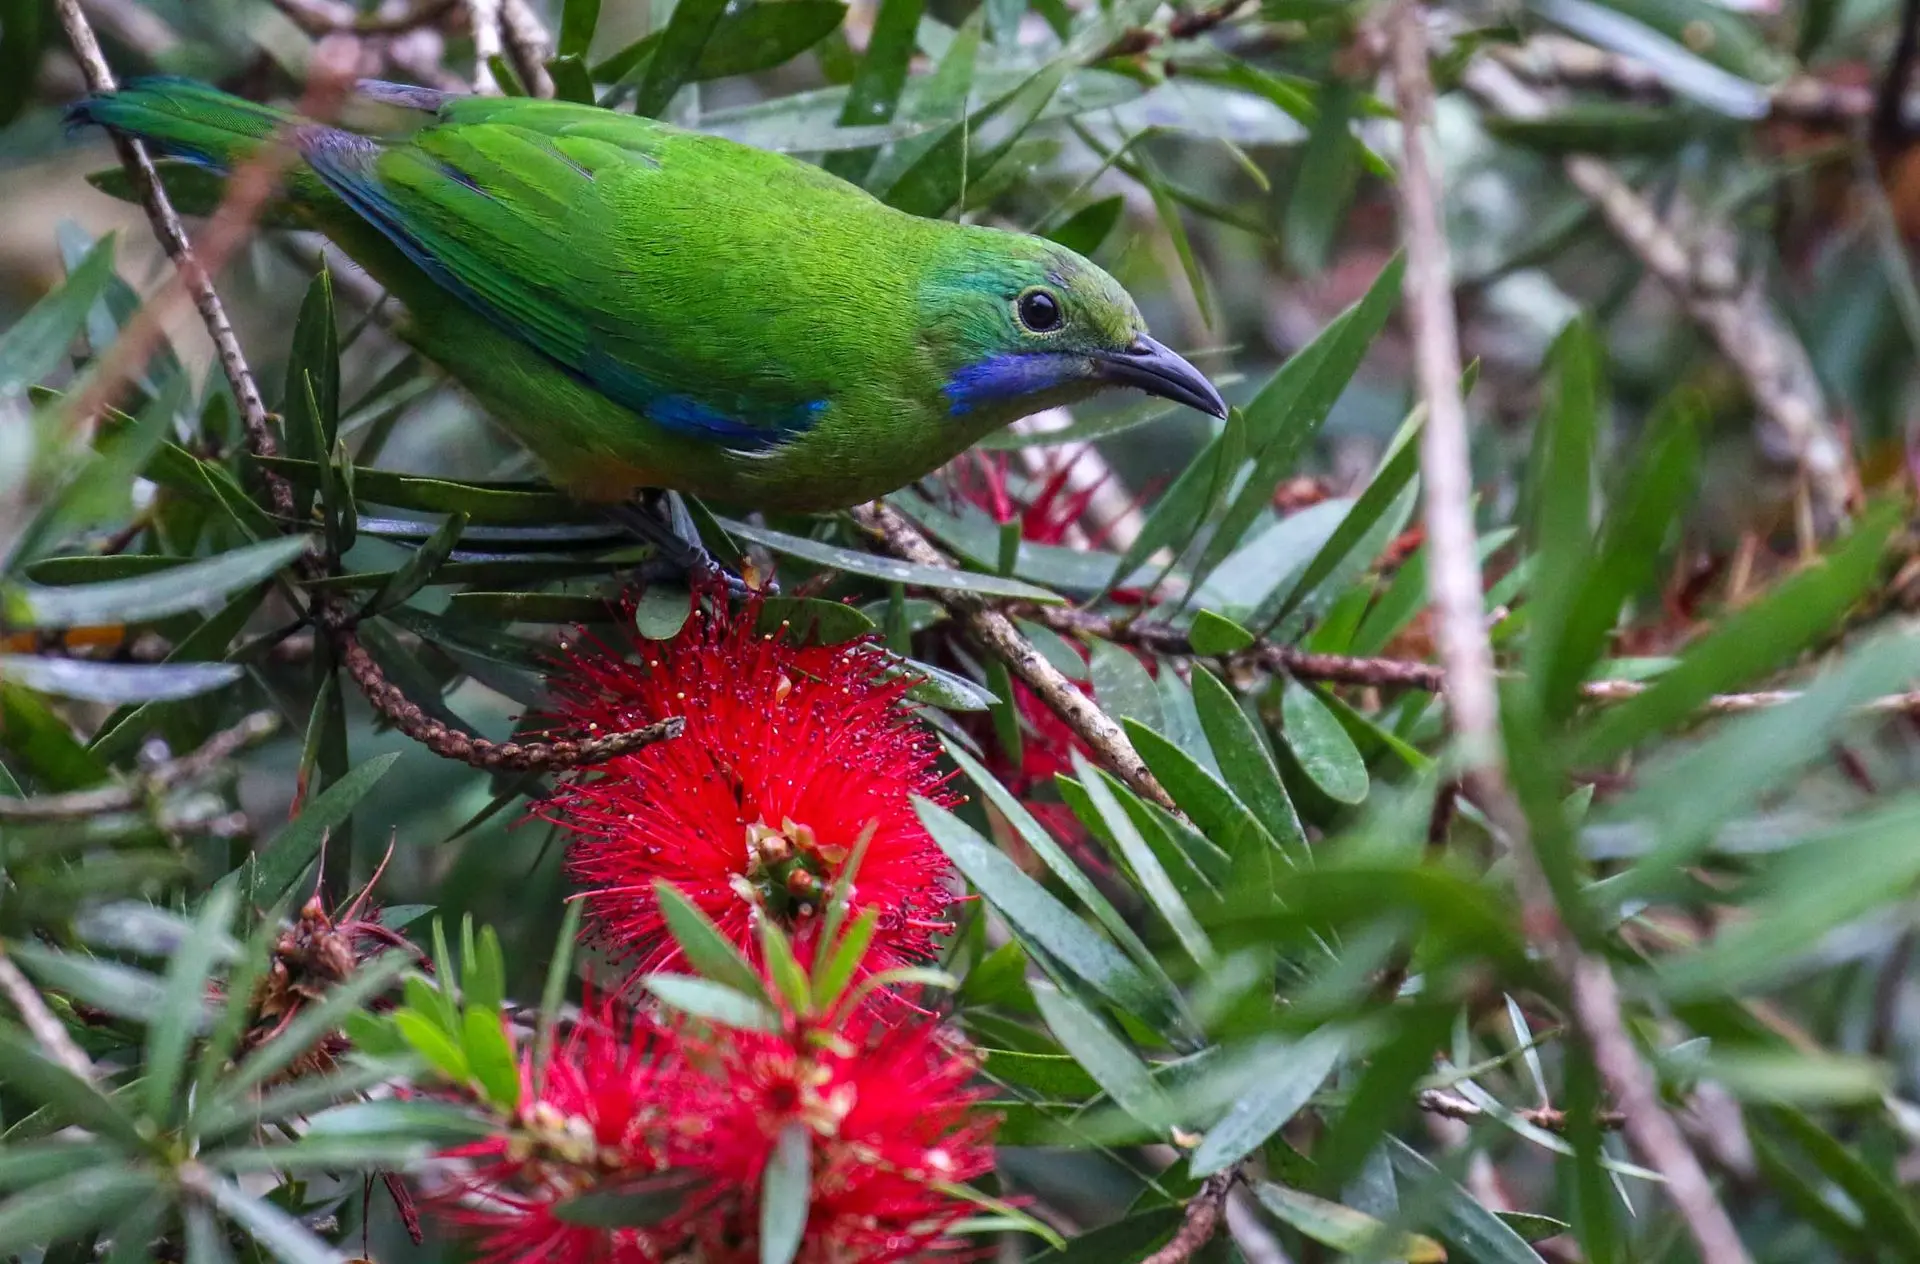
(1017, 324)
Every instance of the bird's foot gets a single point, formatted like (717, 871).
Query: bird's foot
(662, 521)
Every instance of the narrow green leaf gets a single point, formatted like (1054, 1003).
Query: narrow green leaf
(1246, 762)
(1290, 409)
(967, 151)
(1039, 916)
(25, 1070)
(578, 18)
(1344, 1229)
(830, 980)
(1326, 753)
(1464, 1225)
(311, 399)
(490, 1059)
(1147, 871)
(746, 39)
(1214, 808)
(1104, 1056)
(784, 968)
(786, 1195)
(420, 567)
(116, 684)
(874, 95)
(812, 621)
(1051, 854)
(1684, 798)
(426, 1037)
(1214, 635)
(284, 859)
(147, 597)
(1376, 517)
(1266, 1107)
(1087, 227)
(173, 1029)
(32, 346)
(35, 1218)
(709, 952)
(715, 1002)
(30, 1163)
(284, 1237)
(875, 567)
(1122, 686)
(681, 45)
(1749, 641)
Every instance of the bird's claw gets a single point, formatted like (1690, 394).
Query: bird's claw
(679, 555)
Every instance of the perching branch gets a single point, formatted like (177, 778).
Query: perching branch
(1453, 579)
(450, 743)
(996, 633)
(1392, 673)
(1205, 1212)
(1733, 310)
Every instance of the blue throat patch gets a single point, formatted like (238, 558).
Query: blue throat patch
(1002, 378)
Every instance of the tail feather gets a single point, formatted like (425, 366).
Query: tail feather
(184, 118)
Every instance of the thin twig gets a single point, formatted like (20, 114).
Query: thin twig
(1452, 1106)
(484, 17)
(1736, 313)
(253, 185)
(449, 743)
(996, 633)
(47, 1031)
(1453, 579)
(1560, 60)
(527, 45)
(1205, 1212)
(1392, 673)
(152, 782)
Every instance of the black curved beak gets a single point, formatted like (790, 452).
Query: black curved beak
(1151, 367)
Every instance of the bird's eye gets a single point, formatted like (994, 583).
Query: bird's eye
(1039, 311)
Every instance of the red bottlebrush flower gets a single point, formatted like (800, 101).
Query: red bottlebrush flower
(597, 1113)
(889, 1108)
(790, 756)
(1052, 507)
(892, 1119)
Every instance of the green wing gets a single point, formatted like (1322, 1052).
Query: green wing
(659, 266)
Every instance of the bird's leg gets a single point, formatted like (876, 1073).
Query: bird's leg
(662, 522)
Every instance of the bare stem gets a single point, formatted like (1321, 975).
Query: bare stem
(1454, 582)
(995, 632)
(1206, 1210)
(49, 1032)
(1733, 309)
(156, 781)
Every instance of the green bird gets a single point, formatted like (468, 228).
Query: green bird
(645, 307)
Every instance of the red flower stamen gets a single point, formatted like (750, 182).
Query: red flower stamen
(791, 756)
